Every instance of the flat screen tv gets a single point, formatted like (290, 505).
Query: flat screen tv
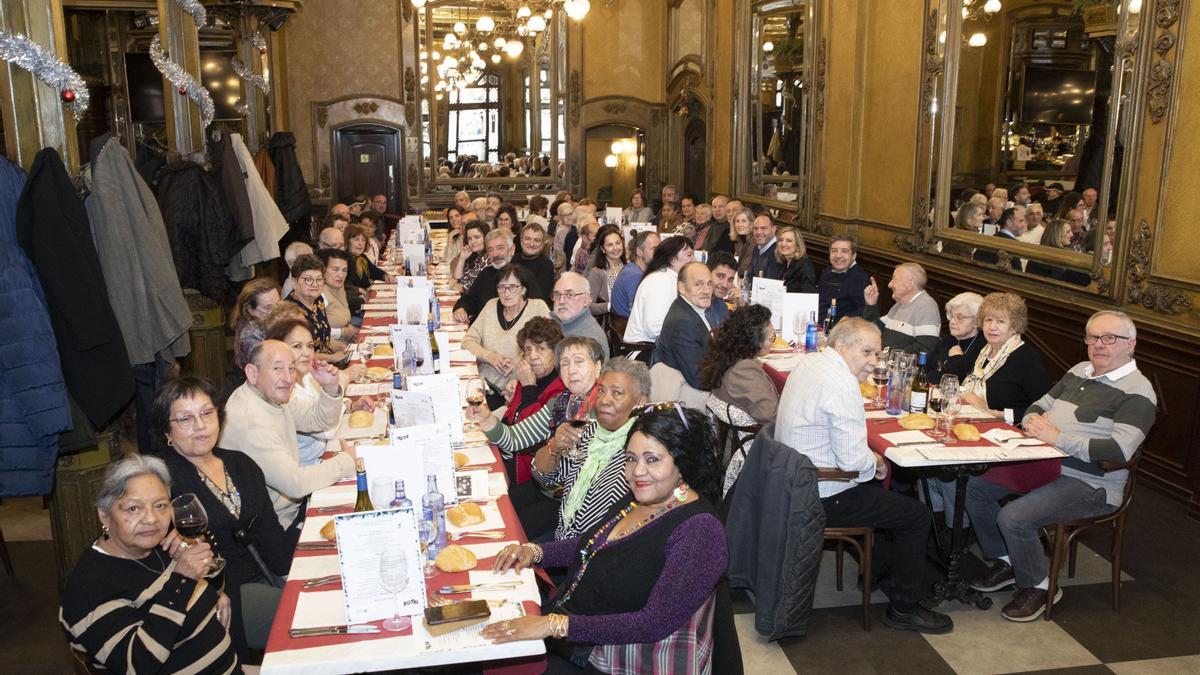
(1057, 95)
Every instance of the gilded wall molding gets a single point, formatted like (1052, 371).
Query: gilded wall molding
(1154, 297)
(574, 97)
(819, 84)
(1162, 71)
(934, 65)
(410, 96)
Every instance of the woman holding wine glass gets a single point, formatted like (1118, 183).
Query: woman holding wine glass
(229, 489)
(141, 585)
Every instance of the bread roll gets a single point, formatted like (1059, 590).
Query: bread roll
(328, 530)
(384, 350)
(361, 419)
(917, 421)
(868, 390)
(461, 460)
(379, 373)
(455, 558)
(464, 514)
(966, 432)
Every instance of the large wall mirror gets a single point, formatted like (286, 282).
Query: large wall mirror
(490, 88)
(774, 98)
(1028, 105)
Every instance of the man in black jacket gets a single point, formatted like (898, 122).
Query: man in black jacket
(685, 330)
(533, 258)
(499, 248)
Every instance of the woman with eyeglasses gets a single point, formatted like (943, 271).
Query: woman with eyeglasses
(577, 440)
(308, 273)
(492, 338)
(1007, 375)
(642, 584)
(958, 350)
(241, 519)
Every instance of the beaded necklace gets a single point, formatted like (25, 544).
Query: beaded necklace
(230, 498)
(600, 541)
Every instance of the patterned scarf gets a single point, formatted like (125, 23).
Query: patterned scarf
(603, 447)
(984, 366)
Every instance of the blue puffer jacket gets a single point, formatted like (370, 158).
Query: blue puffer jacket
(33, 397)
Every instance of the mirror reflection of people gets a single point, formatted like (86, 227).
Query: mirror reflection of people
(141, 585)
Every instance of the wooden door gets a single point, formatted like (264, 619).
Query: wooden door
(367, 161)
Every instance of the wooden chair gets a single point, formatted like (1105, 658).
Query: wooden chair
(861, 538)
(83, 665)
(617, 346)
(743, 437)
(1064, 536)
(8, 566)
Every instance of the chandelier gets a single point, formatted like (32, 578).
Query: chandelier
(974, 10)
(479, 36)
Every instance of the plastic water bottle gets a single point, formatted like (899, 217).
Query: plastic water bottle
(895, 393)
(433, 509)
(810, 333)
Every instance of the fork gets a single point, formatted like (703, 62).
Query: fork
(486, 534)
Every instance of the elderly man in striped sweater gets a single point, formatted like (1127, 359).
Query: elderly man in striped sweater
(1101, 410)
(914, 322)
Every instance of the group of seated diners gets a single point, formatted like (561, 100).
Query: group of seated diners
(617, 488)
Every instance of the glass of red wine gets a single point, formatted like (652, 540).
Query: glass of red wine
(578, 418)
(475, 397)
(192, 522)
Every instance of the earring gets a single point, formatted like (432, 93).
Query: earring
(170, 443)
(681, 492)
(104, 532)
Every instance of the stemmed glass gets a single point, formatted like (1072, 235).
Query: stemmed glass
(382, 491)
(427, 532)
(951, 392)
(364, 355)
(799, 327)
(393, 576)
(879, 377)
(578, 418)
(192, 522)
(475, 397)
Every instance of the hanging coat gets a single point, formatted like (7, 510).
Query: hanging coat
(266, 170)
(52, 227)
(200, 230)
(291, 191)
(233, 189)
(33, 396)
(131, 240)
(269, 225)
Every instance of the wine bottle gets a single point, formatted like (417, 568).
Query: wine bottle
(830, 316)
(401, 501)
(433, 509)
(435, 353)
(920, 387)
(363, 501)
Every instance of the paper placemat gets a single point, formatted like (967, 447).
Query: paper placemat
(909, 436)
(320, 608)
(378, 426)
(312, 527)
(492, 520)
(526, 591)
(477, 454)
(487, 550)
(315, 567)
(334, 495)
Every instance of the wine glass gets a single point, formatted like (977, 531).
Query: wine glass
(879, 377)
(382, 491)
(427, 532)
(393, 576)
(192, 522)
(936, 405)
(578, 418)
(951, 393)
(475, 396)
(799, 327)
(364, 355)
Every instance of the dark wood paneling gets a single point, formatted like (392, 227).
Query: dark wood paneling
(1168, 357)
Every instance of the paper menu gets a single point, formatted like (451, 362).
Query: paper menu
(631, 230)
(418, 335)
(612, 214)
(412, 301)
(408, 407)
(797, 304)
(443, 388)
(769, 293)
(370, 546)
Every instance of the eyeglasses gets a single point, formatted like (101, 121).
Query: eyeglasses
(312, 281)
(191, 422)
(959, 317)
(1104, 339)
(508, 288)
(564, 295)
(667, 405)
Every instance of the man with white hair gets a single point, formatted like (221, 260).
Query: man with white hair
(462, 199)
(261, 420)
(914, 322)
(498, 246)
(1034, 224)
(821, 416)
(330, 237)
(572, 300)
(1099, 413)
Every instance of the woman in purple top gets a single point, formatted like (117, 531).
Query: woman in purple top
(641, 585)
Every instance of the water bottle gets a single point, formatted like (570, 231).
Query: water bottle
(401, 501)
(433, 509)
(810, 333)
(895, 392)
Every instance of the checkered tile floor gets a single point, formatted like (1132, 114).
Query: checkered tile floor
(1157, 630)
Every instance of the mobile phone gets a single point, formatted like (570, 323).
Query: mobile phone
(458, 611)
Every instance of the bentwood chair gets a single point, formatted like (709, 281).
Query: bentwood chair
(1064, 536)
(8, 566)
(861, 538)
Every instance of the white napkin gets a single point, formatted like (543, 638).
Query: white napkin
(312, 528)
(320, 608)
(486, 550)
(314, 567)
(334, 495)
(526, 591)
(908, 436)
(491, 521)
(477, 454)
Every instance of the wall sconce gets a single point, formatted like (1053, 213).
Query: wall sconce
(611, 161)
(977, 40)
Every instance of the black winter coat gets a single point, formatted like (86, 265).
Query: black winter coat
(53, 228)
(201, 231)
(233, 189)
(776, 530)
(291, 192)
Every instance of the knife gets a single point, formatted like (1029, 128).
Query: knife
(317, 546)
(467, 588)
(331, 509)
(929, 442)
(322, 581)
(355, 629)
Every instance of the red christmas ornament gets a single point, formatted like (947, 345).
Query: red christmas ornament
(68, 95)
(262, 50)
(183, 90)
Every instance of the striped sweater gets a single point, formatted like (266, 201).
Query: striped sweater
(128, 619)
(912, 326)
(1103, 418)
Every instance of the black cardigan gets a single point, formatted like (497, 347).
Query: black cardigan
(542, 270)
(1018, 383)
(258, 520)
(799, 277)
(960, 365)
(373, 273)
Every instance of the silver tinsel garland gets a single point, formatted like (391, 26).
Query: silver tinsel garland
(183, 81)
(194, 8)
(250, 77)
(18, 49)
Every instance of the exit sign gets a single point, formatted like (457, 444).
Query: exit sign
(364, 158)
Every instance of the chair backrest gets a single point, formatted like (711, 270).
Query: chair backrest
(665, 383)
(1130, 466)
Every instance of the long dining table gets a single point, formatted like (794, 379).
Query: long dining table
(312, 594)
